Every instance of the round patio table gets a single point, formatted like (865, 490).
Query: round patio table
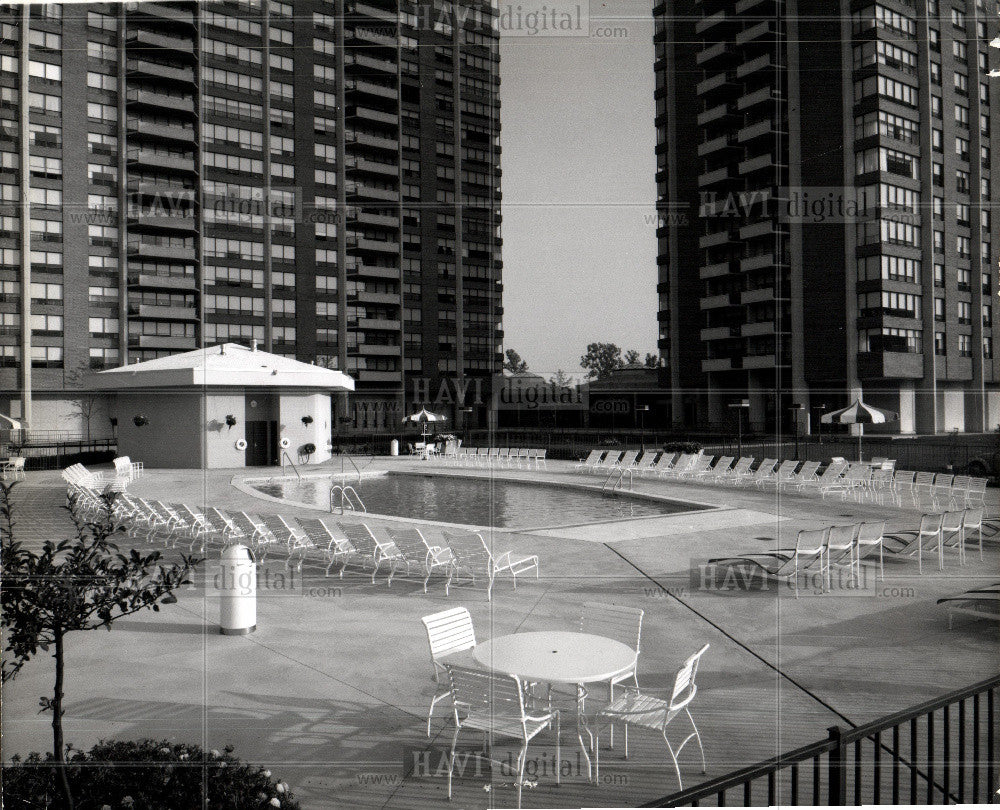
(559, 657)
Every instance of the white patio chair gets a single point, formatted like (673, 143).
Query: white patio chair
(620, 623)
(592, 458)
(903, 482)
(418, 553)
(494, 704)
(923, 484)
(451, 637)
(14, 467)
(764, 469)
(974, 523)
(646, 711)
(975, 495)
(786, 565)
(841, 551)
(472, 558)
(913, 542)
(869, 540)
(540, 462)
(953, 533)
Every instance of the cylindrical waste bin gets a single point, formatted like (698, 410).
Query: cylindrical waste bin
(394, 447)
(237, 592)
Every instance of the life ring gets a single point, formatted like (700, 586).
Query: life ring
(241, 444)
(285, 443)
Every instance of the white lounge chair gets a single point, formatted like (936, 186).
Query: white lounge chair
(927, 536)
(418, 553)
(982, 602)
(473, 559)
(786, 565)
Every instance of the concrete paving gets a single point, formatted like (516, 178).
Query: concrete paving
(331, 691)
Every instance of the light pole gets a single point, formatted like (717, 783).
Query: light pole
(740, 406)
(796, 410)
(819, 422)
(641, 410)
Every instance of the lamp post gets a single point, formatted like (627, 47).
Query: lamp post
(641, 410)
(466, 412)
(819, 422)
(796, 410)
(740, 406)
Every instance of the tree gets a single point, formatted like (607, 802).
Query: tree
(652, 360)
(79, 584)
(631, 357)
(87, 404)
(514, 364)
(601, 359)
(561, 379)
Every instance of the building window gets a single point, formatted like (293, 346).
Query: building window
(46, 357)
(939, 310)
(940, 344)
(965, 346)
(964, 313)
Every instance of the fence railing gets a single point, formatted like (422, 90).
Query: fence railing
(939, 752)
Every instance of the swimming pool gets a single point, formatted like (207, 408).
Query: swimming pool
(478, 501)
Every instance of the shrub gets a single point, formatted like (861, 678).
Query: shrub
(682, 447)
(145, 775)
(307, 449)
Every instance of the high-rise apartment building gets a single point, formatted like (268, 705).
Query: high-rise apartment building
(318, 176)
(828, 175)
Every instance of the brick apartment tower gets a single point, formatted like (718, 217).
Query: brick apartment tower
(146, 138)
(763, 106)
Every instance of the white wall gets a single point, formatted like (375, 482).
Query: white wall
(293, 406)
(220, 439)
(63, 413)
(952, 413)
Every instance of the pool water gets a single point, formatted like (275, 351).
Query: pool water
(478, 501)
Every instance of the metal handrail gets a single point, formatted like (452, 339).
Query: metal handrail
(284, 455)
(346, 499)
(840, 741)
(343, 474)
(620, 473)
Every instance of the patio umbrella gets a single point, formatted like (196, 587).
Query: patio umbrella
(858, 413)
(424, 416)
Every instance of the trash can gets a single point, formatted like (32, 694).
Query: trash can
(394, 447)
(237, 592)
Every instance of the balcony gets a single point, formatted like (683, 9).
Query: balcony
(758, 295)
(166, 132)
(748, 68)
(714, 176)
(372, 11)
(709, 22)
(144, 67)
(151, 250)
(371, 88)
(717, 364)
(161, 342)
(368, 114)
(373, 141)
(759, 163)
(168, 14)
(161, 282)
(760, 328)
(767, 227)
(377, 350)
(718, 333)
(372, 271)
(378, 323)
(364, 34)
(716, 113)
(164, 190)
(366, 375)
(161, 101)
(373, 245)
(163, 222)
(757, 31)
(160, 160)
(715, 301)
(365, 191)
(376, 298)
(712, 83)
(147, 39)
(766, 95)
(360, 164)
(716, 239)
(710, 53)
(370, 62)
(760, 361)
(757, 262)
(714, 270)
(762, 129)
(715, 145)
(163, 313)
(368, 218)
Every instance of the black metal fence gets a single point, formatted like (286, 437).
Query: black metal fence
(939, 752)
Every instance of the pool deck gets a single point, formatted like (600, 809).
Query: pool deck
(331, 691)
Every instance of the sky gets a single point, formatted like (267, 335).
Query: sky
(579, 235)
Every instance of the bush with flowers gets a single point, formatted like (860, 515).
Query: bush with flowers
(145, 775)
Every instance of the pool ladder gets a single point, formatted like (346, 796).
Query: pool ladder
(349, 499)
(616, 480)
